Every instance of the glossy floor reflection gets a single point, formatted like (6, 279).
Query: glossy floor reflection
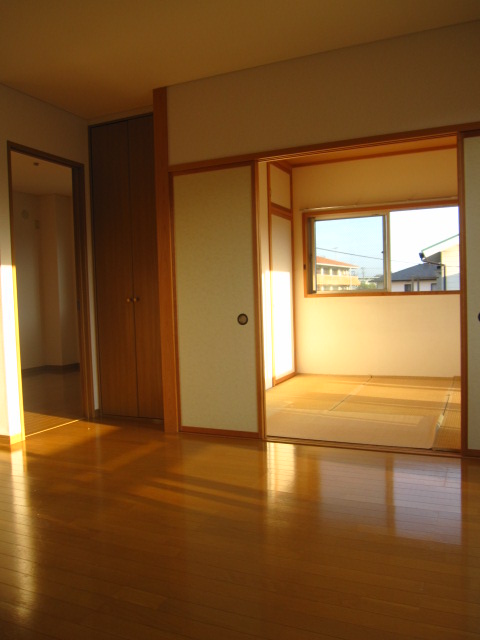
(51, 400)
(113, 531)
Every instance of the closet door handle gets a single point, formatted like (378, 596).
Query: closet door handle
(129, 300)
(136, 299)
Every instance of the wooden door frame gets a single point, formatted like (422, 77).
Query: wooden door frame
(460, 132)
(81, 273)
(472, 132)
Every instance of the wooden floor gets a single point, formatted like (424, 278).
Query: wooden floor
(123, 532)
(51, 400)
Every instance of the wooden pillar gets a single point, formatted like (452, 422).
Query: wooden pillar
(165, 263)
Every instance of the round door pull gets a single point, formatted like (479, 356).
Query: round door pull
(242, 319)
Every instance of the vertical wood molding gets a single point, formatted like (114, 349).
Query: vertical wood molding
(257, 270)
(463, 299)
(165, 263)
(21, 436)
(81, 275)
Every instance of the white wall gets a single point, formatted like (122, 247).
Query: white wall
(52, 334)
(67, 288)
(37, 125)
(425, 80)
(46, 288)
(381, 335)
(57, 268)
(29, 286)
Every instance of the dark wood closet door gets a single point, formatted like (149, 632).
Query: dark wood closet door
(113, 269)
(145, 268)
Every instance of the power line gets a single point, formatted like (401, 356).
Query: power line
(345, 253)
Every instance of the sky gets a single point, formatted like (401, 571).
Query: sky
(359, 240)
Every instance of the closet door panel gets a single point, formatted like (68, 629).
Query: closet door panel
(145, 268)
(113, 268)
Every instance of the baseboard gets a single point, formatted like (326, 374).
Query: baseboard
(51, 368)
(106, 418)
(288, 376)
(5, 441)
(9, 441)
(474, 453)
(221, 432)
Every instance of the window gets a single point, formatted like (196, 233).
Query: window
(410, 250)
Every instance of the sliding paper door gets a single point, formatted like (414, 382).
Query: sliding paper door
(215, 285)
(472, 242)
(281, 277)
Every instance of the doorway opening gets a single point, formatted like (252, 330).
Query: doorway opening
(377, 355)
(49, 258)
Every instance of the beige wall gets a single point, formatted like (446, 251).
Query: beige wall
(411, 176)
(37, 125)
(420, 81)
(280, 190)
(394, 335)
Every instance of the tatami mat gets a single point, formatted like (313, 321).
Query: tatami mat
(388, 411)
(448, 434)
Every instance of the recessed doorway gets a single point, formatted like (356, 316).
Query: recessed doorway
(47, 212)
(369, 347)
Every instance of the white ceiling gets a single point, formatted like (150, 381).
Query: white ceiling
(99, 57)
